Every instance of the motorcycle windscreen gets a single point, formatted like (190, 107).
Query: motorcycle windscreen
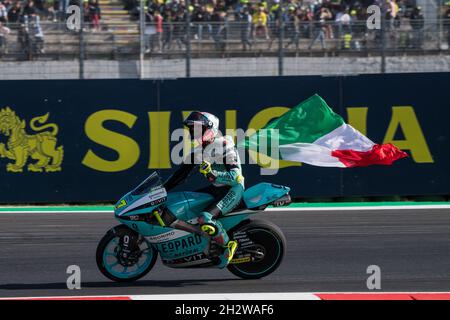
(152, 182)
(146, 195)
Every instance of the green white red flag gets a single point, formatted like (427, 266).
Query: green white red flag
(312, 133)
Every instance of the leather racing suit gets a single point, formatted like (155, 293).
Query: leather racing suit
(227, 185)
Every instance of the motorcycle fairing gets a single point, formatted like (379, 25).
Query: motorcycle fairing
(264, 193)
(132, 205)
(179, 248)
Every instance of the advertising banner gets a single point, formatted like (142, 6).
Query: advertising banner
(80, 141)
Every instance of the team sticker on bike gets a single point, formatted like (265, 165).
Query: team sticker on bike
(227, 200)
(189, 259)
(181, 244)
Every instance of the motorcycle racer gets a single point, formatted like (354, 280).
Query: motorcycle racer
(220, 164)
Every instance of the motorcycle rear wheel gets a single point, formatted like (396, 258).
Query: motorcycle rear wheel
(269, 239)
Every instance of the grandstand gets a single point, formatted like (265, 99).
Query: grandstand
(223, 31)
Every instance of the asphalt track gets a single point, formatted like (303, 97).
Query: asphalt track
(327, 252)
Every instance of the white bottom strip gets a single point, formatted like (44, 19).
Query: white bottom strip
(191, 297)
(242, 296)
(231, 296)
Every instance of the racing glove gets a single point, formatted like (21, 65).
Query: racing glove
(205, 169)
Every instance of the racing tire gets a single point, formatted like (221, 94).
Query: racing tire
(268, 238)
(107, 270)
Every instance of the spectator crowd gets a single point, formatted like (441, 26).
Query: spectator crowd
(261, 19)
(26, 15)
(252, 20)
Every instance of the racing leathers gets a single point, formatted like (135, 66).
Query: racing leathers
(221, 165)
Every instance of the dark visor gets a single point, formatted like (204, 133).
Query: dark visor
(197, 117)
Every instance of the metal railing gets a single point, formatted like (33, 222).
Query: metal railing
(214, 48)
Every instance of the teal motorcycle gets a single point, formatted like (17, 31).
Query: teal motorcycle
(156, 222)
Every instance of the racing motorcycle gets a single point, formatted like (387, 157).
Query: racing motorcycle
(147, 214)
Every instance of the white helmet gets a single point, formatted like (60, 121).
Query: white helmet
(203, 126)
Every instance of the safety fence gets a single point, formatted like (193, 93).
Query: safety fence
(231, 48)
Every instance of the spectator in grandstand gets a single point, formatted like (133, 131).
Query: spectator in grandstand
(197, 20)
(245, 23)
(219, 29)
(293, 26)
(29, 9)
(33, 24)
(179, 29)
(167, 30)
(220, 5)
(201, 17)
(4, 31)
(209, 9)
(51, 8)
(327, 17)
(3, 13)
(23, 37)
(358, 15)
(150, 29)
(7, 3)
(274, 16)
(156, 34)
(40, 7)
(14, 13)
(259, 21)
(86, 15)
(447, 23)
(417, 22)
(239, 7)
(306, 17)
(320, 28)
(391, 13)
(130, 5)
(343, 21)
(395, 14)
(155, 5)
(94, 14)
(62, 7)
(159, 30)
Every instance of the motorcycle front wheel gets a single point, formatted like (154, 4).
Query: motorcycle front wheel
(269, 243)
(122, 265)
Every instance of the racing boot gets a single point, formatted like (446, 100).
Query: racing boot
(220, 242)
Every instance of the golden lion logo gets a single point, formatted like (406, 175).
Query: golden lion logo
(21, 146)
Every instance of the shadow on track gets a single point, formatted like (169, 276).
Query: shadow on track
(110, 284)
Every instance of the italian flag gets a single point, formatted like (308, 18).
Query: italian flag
(312, 133)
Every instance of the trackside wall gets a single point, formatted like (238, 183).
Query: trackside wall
(109, 134)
